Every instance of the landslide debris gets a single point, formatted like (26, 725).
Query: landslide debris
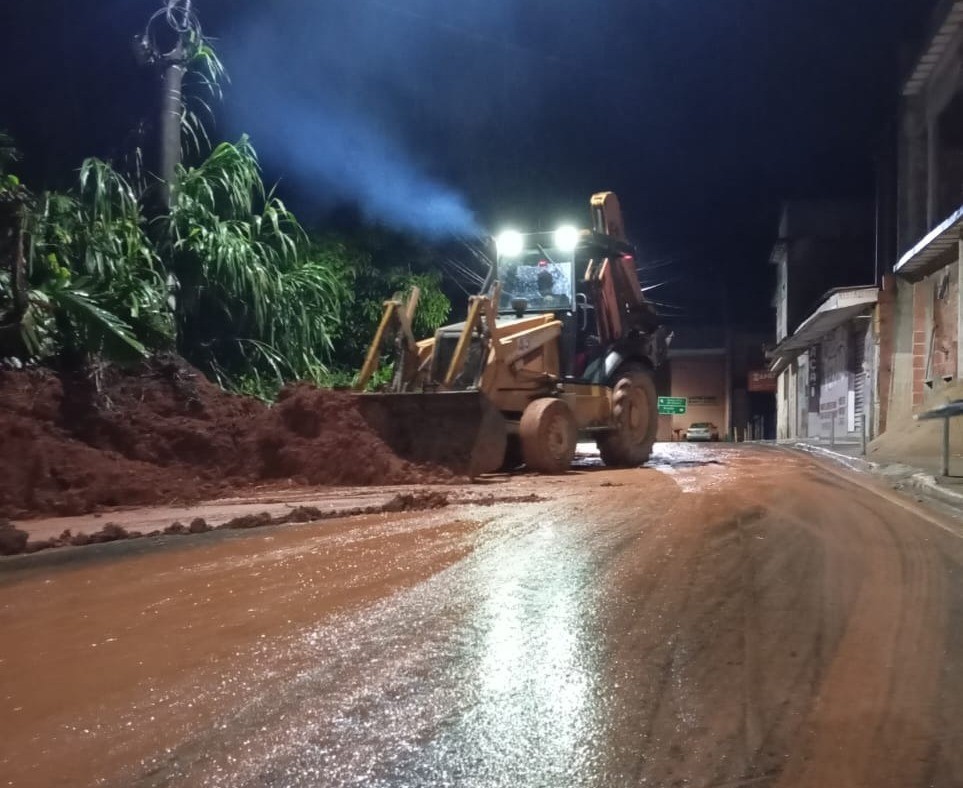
(162, 433)
(14, 541)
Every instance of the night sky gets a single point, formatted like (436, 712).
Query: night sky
(474, 115)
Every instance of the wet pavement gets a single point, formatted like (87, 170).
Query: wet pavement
(726, 616)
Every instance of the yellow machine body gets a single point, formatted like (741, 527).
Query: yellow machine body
(464, 397)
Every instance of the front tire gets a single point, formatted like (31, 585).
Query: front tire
(635, 411)
(548, 434)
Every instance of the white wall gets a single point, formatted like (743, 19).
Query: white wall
(783, 413)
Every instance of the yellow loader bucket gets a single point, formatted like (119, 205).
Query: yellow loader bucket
(460, 430)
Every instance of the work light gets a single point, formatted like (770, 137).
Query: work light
(510, 244)
(566, 238)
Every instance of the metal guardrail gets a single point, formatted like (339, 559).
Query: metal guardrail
(946, 412)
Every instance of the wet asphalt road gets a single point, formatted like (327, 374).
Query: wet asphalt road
(725, 617)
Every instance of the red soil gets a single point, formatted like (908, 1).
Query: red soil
(164, 434)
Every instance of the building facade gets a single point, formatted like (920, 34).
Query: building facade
(925, 248)
(826, 356)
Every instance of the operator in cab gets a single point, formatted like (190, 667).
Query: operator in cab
(547, 297)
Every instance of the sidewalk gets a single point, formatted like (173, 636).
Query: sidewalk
(915, 474)
(845, 452)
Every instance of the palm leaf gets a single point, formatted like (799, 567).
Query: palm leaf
(100, 328)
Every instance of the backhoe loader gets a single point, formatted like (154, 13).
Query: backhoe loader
(560, 344)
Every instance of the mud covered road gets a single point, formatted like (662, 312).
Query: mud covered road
(726, 617)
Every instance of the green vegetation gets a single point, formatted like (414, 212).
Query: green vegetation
(376, 265)
(226, 276)
(254, 297)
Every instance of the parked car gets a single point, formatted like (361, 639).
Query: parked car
(702, 431)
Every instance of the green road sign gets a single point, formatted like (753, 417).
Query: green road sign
(672, 406)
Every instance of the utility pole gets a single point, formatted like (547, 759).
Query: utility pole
(172, 57)
(172, 111)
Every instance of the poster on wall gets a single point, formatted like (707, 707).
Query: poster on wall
(814, 379)
(836, 406)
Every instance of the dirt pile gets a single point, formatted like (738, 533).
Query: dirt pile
(920, 443)
(407, 502)
(14, 541)
(162, 433)
(319, 437)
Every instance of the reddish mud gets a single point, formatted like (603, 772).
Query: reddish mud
(111, 648)
(14, 541)
(164, 434)
(725, 617)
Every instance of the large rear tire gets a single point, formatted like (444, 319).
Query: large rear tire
(548, 435)
(635, 411)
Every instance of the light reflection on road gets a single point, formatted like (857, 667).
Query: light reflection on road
(484, 675)
(535, 710)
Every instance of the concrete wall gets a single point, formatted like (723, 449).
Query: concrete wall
(930, 156)
(906, 332)
(884, 353)
(781, 300)
(913, 161)
(800, 427)
(791, 416)
(784, 416)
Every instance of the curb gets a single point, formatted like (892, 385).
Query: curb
(853, 463)
(923, 483)
(926, 483)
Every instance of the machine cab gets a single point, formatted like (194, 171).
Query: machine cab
(538, 272)
(545, 273)
(587, 279)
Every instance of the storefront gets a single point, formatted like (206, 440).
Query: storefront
(826, 370)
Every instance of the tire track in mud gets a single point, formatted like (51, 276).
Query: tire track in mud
(667, 653)
(839, 598)
(877, 648)
(871, 720)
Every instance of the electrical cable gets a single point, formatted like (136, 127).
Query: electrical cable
(180, 18)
